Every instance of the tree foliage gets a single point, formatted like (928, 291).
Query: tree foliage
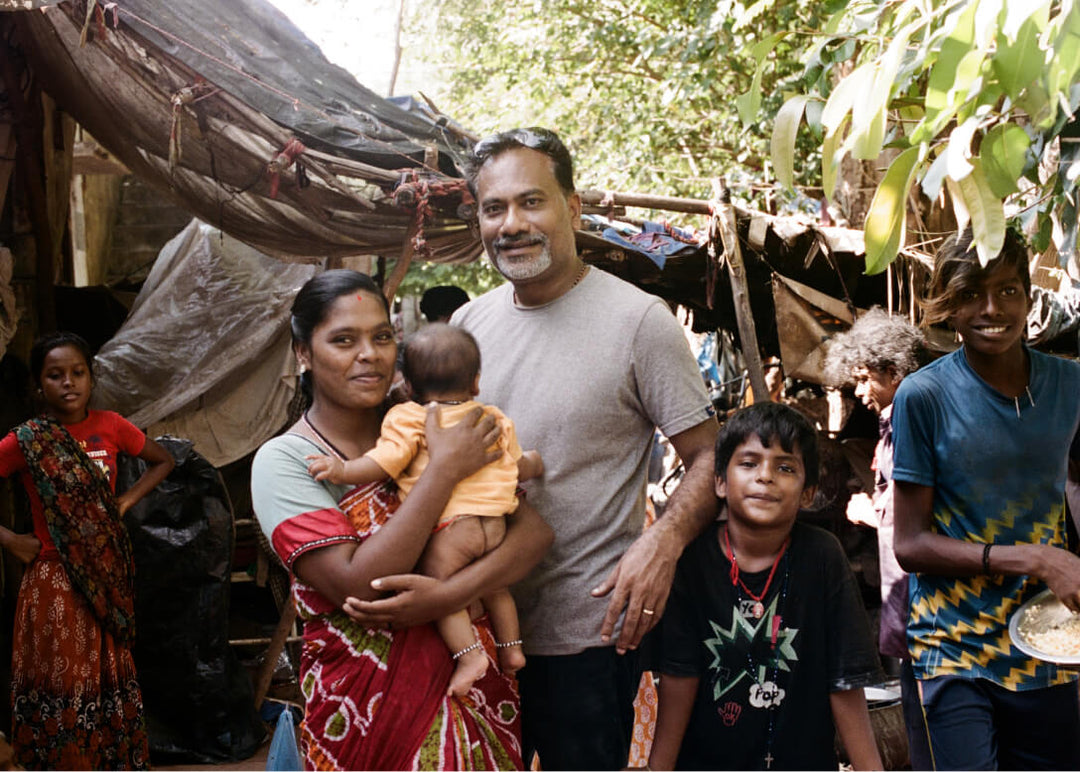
(656, 96)
(972, 93)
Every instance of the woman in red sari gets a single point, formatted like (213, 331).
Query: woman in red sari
(375, 697)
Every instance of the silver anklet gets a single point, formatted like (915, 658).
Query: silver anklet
(508, 644)
(458, 654)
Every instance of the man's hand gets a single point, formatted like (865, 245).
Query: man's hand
(416, 600)
(640, 584)
(328, 468)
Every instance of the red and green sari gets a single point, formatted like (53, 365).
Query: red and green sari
(376, 699)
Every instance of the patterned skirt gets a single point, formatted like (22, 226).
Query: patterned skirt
(76, 702)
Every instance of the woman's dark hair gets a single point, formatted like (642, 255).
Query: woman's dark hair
(957, 268)
(53, 340)
(770, 421)
(542, 140)
(313, 301)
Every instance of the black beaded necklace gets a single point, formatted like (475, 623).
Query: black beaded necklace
(772, 676)
(321, 436)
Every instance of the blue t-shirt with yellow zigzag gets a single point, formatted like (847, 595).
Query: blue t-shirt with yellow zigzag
(998, 468)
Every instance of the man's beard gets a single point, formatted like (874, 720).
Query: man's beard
(520, 269)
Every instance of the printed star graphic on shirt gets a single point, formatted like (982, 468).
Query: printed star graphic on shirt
(753, 636)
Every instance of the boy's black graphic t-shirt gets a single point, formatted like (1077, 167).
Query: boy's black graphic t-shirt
(769, 675)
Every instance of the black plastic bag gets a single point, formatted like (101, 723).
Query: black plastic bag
(197, 696)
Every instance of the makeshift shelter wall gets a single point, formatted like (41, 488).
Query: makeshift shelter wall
(205, 351)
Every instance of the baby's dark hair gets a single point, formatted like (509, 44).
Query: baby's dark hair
(769, 421)
(439, 358)
(957, 268)
(54, 340)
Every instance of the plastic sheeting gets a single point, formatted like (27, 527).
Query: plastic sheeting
(198, 699)
(205, 351)
(1054, 314)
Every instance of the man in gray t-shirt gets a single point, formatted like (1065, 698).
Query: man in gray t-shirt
(587, 366)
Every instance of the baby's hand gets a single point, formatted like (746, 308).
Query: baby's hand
(530, 466)
(327, 468)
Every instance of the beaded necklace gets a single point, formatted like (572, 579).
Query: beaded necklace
(769, 688)
(321, 436)
(758, 608)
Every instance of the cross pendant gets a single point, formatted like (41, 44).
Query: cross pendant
(768, 761)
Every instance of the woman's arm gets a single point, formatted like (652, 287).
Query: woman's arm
(348, 569)
(852, 719)
(159, 464)
(919, 549)
(676, 701)
(418, 599)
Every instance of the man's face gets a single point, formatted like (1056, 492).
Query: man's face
(527, 222)
(876, 388)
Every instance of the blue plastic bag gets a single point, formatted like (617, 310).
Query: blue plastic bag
(284, 756)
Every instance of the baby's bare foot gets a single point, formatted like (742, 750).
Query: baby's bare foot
(469, 669)
(511, 658)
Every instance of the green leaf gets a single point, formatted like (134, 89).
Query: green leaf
(1003, 154)
(783, 139)
(749, 104)
(1020, 63)
(884, 225)
(830, 159)
(940, 103)
(958, 149)
(844, 95)
(986, 211)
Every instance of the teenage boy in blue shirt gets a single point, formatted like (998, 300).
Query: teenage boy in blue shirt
(765, 646)
(981, 444)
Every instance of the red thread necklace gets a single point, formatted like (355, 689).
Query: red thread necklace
(736, 580)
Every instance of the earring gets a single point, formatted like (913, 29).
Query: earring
(303, 369)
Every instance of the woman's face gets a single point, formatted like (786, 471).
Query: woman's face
(352, 353)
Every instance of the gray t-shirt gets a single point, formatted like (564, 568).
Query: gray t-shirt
(586, 379)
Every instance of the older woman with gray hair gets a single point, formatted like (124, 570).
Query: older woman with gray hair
(878, 352)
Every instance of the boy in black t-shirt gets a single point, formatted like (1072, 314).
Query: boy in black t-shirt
(765, 645)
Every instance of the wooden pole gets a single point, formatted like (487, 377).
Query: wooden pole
(665, 203)
(401, 267)
(273, 651)
(29, 164)
(744, 317)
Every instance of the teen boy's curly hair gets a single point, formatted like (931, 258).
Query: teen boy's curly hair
(877, 341)
(771, 422)
(957, 268)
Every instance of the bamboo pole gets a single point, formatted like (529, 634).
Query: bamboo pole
(744, 317)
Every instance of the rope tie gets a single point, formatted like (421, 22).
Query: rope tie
(186, 96)
(416, 191)
(282, 161)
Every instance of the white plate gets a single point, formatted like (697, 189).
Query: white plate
(1041, 613)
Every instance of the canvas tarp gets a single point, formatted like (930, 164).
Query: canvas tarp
(205, 352)
(229, 109)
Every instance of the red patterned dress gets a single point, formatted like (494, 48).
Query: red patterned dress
(76, 703)
(374, 699)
